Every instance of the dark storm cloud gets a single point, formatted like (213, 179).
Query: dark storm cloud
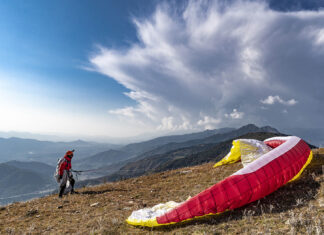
(296, 5)
(213, 64)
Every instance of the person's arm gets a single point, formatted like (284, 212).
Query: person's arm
(62, 168)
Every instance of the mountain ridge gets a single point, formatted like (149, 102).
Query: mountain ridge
(187, 156)
(19, 180)
(45, 151)
(169, 139)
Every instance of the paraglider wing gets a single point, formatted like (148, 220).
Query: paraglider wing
(259, 178)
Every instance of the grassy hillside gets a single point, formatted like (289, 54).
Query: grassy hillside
(297, 208)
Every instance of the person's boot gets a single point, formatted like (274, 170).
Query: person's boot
(74, 192)
(72, 181)
(61, 191)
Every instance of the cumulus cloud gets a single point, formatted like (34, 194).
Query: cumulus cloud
(168, 123)
(192, 65)
(276, 99)
(235, 114)
(209, 122)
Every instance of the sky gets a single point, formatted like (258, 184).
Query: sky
(127, 68)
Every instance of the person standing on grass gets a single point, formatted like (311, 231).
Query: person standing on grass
(65, 173)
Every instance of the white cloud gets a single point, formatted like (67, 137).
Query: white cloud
(209, 122)
(210, 56)
(276, 99)
(128, 111)
(317, 35)
(168, 123)
(235, 114)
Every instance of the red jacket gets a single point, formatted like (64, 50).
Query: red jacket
(66, 165)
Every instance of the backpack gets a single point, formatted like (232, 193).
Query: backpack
(58, 166)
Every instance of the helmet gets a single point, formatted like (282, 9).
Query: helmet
(69, 153)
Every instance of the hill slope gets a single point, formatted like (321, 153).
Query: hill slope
(296, 208)
(102, 159)
(36, 167)
(183, 157)
(145, 146)
(25, 180)
(18, 180)
(218, 137)
(177, 153)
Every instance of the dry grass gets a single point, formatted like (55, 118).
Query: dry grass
(319, 151)
(297, 208)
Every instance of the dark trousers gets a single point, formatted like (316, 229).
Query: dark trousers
(67, 176)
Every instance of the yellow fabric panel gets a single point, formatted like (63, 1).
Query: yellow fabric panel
(233, 156)
(146, 223)
(310, 157)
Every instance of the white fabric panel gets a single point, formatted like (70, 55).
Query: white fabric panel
(291, 141)
(278, 138)
(251, 150)
(153, 212)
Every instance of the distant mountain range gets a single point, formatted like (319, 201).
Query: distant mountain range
(38, 167)
(104, 162)
(161, 145)
(189, 156)
(28, 175)
(102, 159)
(24, 180)
(312, 135)
(145, 146)
(214, 138)
(166, 156)
(46, 151)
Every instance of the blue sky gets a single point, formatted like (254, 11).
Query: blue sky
(125, 68)
(44, 47)
(47, 43)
